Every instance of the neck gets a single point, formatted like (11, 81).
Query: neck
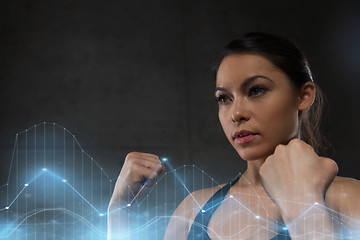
(252, 174)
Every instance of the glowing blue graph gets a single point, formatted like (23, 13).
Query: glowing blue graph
(53, 184)
(56, 190)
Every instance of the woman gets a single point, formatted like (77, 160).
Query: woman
(267, 109)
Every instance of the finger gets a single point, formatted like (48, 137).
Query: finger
(143, 174)
(161, 170)
(153, 177)
(149, 156)
(148, 164)
(136, 157)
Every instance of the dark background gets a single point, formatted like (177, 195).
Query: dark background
(136, 75)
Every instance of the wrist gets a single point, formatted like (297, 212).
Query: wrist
(118, 204)
(295, 209)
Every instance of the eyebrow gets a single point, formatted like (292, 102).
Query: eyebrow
(247, 82)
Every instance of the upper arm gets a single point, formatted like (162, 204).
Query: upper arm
(345, 199)
(350, 206)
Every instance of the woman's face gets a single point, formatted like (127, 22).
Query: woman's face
(258, 105)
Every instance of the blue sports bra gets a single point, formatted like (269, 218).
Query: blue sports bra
(198, 230)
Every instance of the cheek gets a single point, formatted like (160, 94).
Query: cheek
(281, 122)
(224, 121)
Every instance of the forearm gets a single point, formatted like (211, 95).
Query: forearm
(309, 220)
(119, 221)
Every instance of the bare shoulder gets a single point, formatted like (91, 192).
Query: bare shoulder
(343, 195)
(186, 212)
(346, 185)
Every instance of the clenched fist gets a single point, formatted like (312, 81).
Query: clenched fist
(138, 169)
(296, 174)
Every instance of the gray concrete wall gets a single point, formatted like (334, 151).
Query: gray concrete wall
(136, 75)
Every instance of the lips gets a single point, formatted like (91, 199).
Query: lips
(244, 136)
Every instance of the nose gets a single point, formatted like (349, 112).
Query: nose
(239, 112)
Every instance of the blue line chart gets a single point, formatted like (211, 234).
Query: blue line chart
(56, 190)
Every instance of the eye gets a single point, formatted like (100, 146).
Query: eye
(257, 90)
(222, 99)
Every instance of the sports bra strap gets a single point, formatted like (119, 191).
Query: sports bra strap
(199, 227)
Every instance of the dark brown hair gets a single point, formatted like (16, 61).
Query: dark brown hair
(287, 57)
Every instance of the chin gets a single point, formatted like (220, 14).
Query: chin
(254, 157)
(254, 154)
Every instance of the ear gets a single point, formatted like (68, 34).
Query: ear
(306, 96)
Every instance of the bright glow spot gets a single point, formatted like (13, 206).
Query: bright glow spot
(44, 169)
(231, 196)
(257, 217)
(101, 214)
(316, 203)
(203, 210)
(6, 207)
(26, 184)
(128, 205)
(164, 159)
(64, 180)
(284, 228)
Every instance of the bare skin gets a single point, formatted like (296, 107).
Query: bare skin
(256, 96)
(137, 168)
(234, 221)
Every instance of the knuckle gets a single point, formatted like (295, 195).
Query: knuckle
(279, 148)
(295, 142)
(333, 165)
(131, 156)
